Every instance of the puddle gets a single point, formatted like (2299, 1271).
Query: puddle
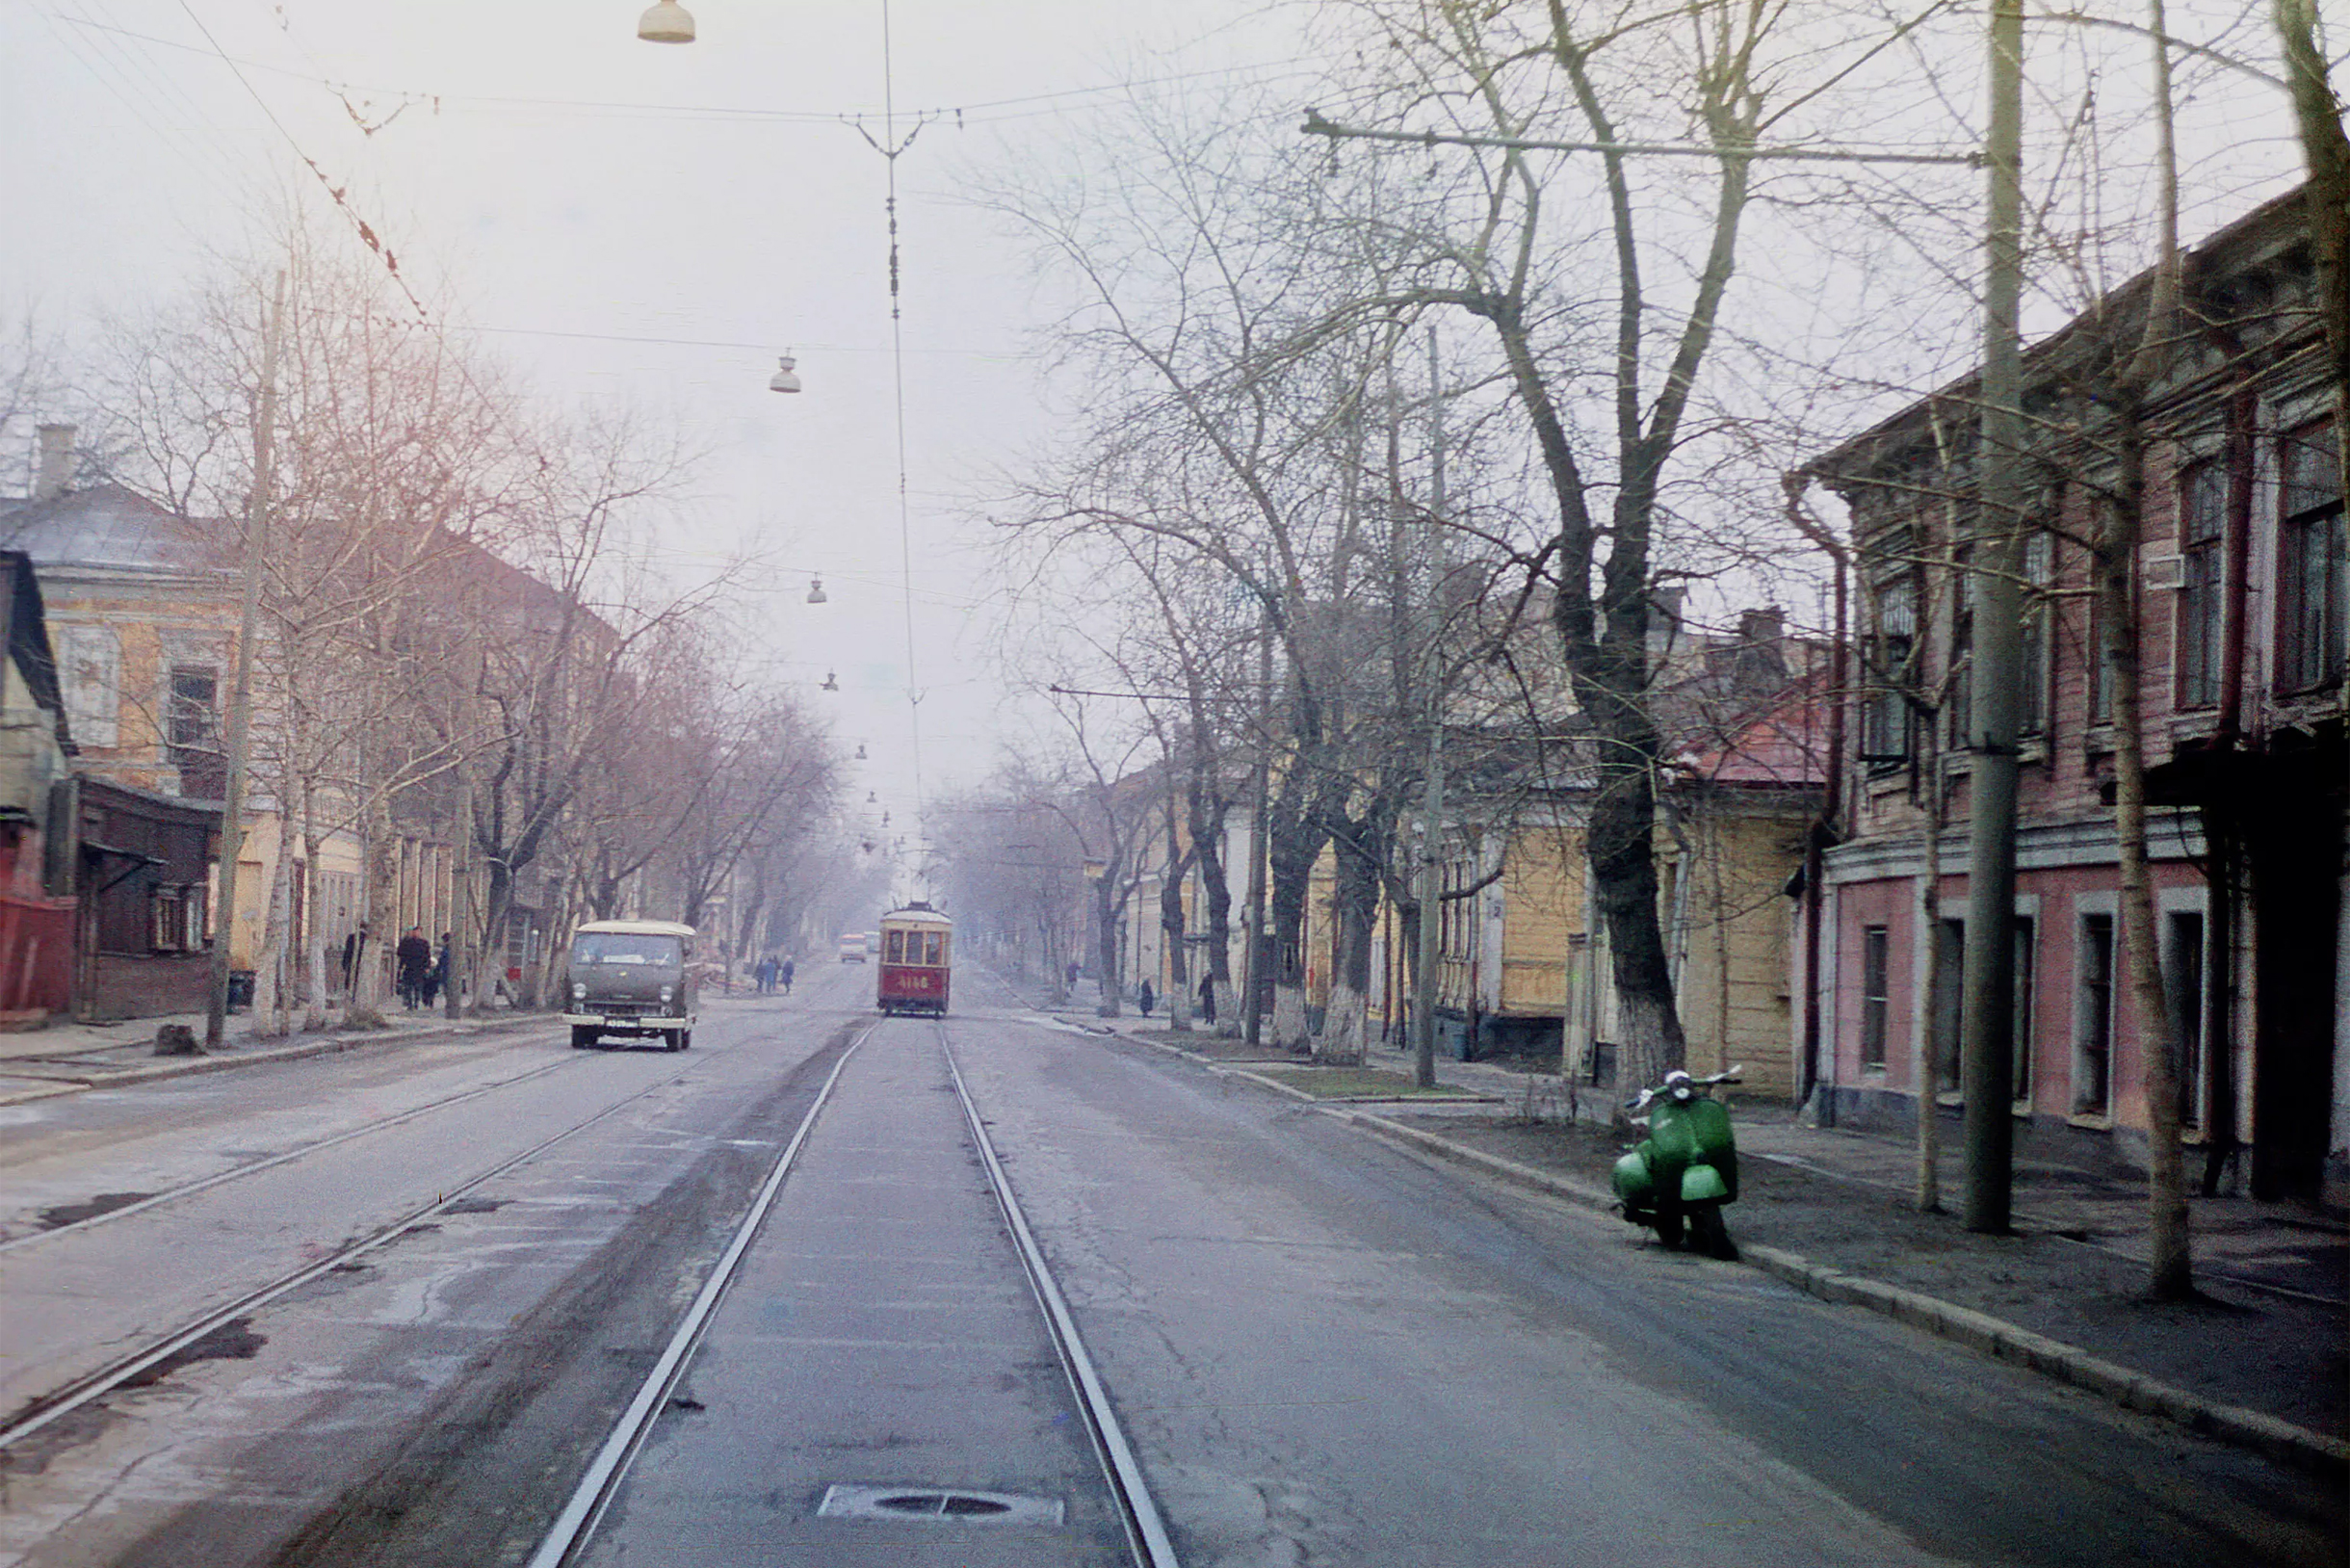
(232, 1341)
(73, 1213)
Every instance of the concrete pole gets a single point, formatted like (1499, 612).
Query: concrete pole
(241, 696)
(1252, 956)
(1432, 807)
(1994, 701)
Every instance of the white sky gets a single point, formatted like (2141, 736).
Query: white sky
(571, 179)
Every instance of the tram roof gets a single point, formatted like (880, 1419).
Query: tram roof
(916, 917)
(638, 928)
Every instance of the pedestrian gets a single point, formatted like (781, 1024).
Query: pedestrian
(355, 949)
(784, 974)
(1144, 998)
(1073, 972)
(766, 975)
(1207, 998)
(436, 983)
(414, 957)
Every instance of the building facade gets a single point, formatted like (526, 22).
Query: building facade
(2239, 623)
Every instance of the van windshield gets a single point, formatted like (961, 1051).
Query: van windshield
(626, 948)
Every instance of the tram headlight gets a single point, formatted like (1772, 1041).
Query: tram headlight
(578, 991)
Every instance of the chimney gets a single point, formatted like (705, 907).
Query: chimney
(1663, 623)
(53, 469)
(1761, 653)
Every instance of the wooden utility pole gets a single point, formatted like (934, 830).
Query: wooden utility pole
(241, 696)
(1994, 706)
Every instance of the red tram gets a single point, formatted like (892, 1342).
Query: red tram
(916, 957)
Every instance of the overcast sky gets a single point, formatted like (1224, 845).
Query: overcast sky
(542, 173)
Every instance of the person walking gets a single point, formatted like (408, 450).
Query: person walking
(414, 957)
(1207, 998)
(436, 984)
(784, 974)
(1145, 998)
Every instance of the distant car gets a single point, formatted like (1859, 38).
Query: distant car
(852, 950)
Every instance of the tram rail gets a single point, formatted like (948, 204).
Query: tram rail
(1147, 1538)
(254, 1167)
(45, 1409)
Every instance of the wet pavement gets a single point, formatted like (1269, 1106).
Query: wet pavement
(2267, 1331)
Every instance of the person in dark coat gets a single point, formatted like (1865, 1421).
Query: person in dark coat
(1144, 998)
(436, 979)
(785, 975)
(1207, 998)
(414, 958)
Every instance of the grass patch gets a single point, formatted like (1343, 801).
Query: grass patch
(1358, 1083)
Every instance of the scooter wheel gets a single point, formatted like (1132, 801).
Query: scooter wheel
(1670, 1229)
(1713, 1237)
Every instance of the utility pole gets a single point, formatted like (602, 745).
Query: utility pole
(241, 697)
(1432, 807)
(1252, 1007)
(1993, 705)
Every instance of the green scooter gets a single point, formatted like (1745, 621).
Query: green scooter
(1686, 1169)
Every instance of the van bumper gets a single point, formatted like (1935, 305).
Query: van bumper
(595, 1020)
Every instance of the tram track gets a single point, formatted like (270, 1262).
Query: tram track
(1147, 1534)
(45, 1410)
(254, 1167)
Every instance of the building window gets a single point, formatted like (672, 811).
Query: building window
(90, 670)
(2309, 580)
(1885, 721)
(191, 727)
(1877, 995)
(2203, 509)
(2093, 1023)
(170, 911)
(2184, 981)
(2020, 1043)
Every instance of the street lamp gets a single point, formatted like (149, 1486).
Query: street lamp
(786, 379)
(668, 22)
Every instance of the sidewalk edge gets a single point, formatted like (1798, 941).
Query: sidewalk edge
(2265, 1434)
(189, 1066)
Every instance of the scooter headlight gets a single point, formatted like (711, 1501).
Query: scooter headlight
(665, 994)
(578, 991)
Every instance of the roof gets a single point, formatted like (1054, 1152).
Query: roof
(917, 915)
(637, 927)
(108, 527)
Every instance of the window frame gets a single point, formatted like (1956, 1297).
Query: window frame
(2203, 572)
(2310, 530)
(1876, 995)
(2096, 998)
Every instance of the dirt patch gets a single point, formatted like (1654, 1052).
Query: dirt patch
(1358, 1083)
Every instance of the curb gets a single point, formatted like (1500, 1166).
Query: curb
(2265, 1434)
(189, 1066)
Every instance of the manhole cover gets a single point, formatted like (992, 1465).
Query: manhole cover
(960, 1504)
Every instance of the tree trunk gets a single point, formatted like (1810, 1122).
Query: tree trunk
(1106, 904)
(1355, 913)
(365, 1008)
(271, 1015)
(2170, 1274)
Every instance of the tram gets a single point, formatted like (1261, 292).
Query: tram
(916, 953)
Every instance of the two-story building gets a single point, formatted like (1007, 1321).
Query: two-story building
(2239, 619)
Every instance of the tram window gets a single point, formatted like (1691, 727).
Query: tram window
(938, 949)
(895, 943)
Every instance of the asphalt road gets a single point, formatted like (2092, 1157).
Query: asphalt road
(1324, 1351)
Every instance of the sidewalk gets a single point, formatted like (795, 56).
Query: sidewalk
(69, 1057)
(2259, 1361)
